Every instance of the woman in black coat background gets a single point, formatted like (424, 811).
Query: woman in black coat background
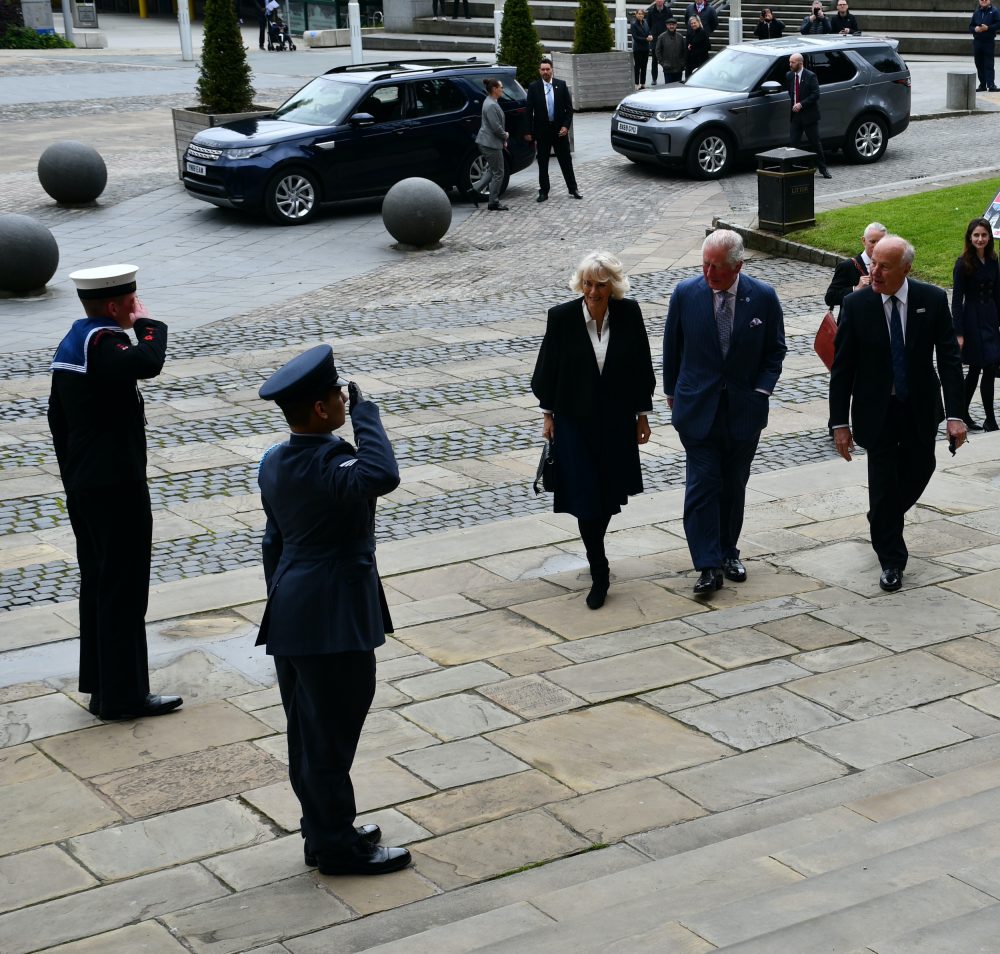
(698, 47)
(975, 312)
(769, 27)
(594, 382)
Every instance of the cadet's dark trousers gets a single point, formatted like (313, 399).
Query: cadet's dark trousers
(114, 530)
(560, 145)
(900, 465)
(718, 468)
(326, 699)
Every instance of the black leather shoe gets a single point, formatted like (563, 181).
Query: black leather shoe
(151, 706)
(474, 198)
(370, 834)
(891, 579)
(971, 424)
(498, 208)
(374, 860)
(979, 89)
(991, 424)
(825, 173)
(542, 197)
(598, 592)
(994, 89)
(709, 581)
(734, 570)
(575, 195)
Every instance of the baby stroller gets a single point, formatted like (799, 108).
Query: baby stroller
(278, 37)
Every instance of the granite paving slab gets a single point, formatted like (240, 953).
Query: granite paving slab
(149, 937)
(458, 716)
(986, 699)
(168, 839)
(736, 648)
(980, 654)
(625, 641)
(452, 679)
(749, 678)
(760, 718)
(631, 673)
(764, 582)
(532, 696)
(201, 675)
(387, 733)
(839, 657)
(122, 745)
(609, 815)
(459, 763)
(750, 614)
(583, 749)
(472, 638)
(763, 773)
(529, 661)
(963, 717)
(973, 932)
(628, 605)
(805, 632)
(105, 908)
(884, 738)
(21, 763)
(251, 918)
(954, 758)
(676, 697)
(494, 848)
(982, 587)
(368, 896)
(39, 874)
(481, 802)
(183, 780)
(882, 685)
(39, 717)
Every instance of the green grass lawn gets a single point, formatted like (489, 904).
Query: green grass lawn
(934, 222)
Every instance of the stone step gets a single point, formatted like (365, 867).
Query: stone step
(973, 933)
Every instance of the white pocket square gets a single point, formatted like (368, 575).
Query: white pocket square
(920, 311)
(756, 323)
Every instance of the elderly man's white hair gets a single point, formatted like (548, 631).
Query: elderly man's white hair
(728, 241)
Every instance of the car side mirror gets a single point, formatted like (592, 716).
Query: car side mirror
(771, 87)
(362, 119)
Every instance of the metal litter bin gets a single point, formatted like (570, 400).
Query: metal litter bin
(786, 189)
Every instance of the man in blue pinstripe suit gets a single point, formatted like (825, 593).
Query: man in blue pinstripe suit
(723, 346)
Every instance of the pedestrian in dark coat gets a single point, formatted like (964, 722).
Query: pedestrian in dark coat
(698, 47)
(641, 47)
(671, 52)
(705, 12)
(326, 612)
(657, 15)
(96, 415)
(975, 312)
(984, 26)
(594, 382)
(769, 27)
(817, 22)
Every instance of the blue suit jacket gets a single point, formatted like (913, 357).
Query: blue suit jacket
(323, 590)
(694, 371)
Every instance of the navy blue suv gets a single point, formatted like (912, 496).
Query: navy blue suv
(354, 132)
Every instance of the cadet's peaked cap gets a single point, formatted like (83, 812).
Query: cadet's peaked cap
(305, 376)
(107, 281)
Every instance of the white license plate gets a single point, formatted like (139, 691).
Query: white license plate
(622, 127)
(196, 168)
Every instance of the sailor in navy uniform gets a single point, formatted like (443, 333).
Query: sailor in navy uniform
(326, 611)
(98, 429)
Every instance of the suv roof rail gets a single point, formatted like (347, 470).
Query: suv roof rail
(409, 64)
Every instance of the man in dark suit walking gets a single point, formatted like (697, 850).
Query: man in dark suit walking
(883, 382)
(550, 114)
(326, 612)
(723, 346)
(851, 274)
(803, 90)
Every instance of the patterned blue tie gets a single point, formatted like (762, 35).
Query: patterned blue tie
(723, 321)
(898, 352)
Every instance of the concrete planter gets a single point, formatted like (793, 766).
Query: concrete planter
(189, 122)
(595, 80)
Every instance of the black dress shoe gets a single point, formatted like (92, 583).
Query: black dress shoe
(368, 860)
(994, 89)
(734, 570)
(979, 89)
(598, 592)
(150, 706)
(370, 834)
(991, 424)
(825, 173)
(575, 195)
(542, 197)
(709, 581)
(498, 208)
(474, 197)
(971, 424)
(891, 579)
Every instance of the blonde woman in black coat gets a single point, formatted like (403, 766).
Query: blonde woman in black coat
(594, 382)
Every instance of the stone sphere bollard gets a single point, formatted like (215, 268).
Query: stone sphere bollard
(416, 212)
(29, 255)
(72, 172)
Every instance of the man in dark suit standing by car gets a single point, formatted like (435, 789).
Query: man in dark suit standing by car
(326, 611)
(851, 274)
(803, 91)
(550, 114)
(723, 345)
(883, 382)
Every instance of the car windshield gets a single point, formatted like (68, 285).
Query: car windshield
(731, 71)
(323, 102)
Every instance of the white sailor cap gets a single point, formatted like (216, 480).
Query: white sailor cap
(106, 281)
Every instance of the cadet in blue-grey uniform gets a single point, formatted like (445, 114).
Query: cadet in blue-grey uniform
(326, 612)
(98, 430)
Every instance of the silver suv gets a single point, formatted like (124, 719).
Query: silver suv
(737, 104)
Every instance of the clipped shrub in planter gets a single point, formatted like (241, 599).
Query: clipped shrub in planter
(224, 73)
(24, 38)
(519, 44)
(592, 31)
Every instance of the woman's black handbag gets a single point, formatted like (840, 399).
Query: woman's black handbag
(546, 474)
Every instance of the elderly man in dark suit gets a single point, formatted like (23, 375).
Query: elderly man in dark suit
(803, 91)
(550, 114)
(326, 612)
(723, 346)
(851, 274)
(883, 381)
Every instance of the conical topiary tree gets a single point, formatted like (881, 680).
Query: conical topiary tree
(592, 32)
(519, 44)
(224, 73)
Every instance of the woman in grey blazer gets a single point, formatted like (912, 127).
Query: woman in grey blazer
(491, 138)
